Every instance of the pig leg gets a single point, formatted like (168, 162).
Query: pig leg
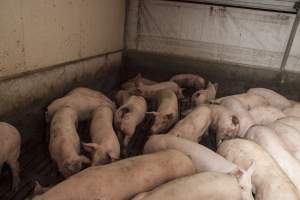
(14, 165)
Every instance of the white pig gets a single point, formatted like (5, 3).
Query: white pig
(129, 115)
(267, 138)
(208, 185)
(132, 83)
(274, 99)
(194, 125)
(293, 111)
(242, 113)
(269, 181)
(264, 115)
(10, 145)
(167, 112)
(124, 179)
(64, 145)
(289, 136)
(203, 158)
(105, 145)
(149, 91)
(189, 81)
(205, 96)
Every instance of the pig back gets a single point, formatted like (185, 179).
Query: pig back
(269, 180)
(123, 179)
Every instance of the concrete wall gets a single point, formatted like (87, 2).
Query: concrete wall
(48, 47)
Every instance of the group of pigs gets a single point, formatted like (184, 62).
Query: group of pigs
(257, 133)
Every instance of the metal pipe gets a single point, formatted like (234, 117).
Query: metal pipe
(289, 44)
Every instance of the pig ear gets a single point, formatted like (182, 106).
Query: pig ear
(90, 147)
(84, 159)
(235, 120)
(168, 116)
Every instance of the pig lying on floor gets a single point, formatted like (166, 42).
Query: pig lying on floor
(64, 145)
(124, 179)
(269, 181)
(10, 145)
(105, 145)
(203, 186)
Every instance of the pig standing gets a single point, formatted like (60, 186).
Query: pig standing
(124, 179)
(129, 115)
(269, 181)
(208, 185)
(248, 100)
(224, 122)
(167, 113)
(203, 158)
(105, 145)
(132, 83)
(10, 141)
(268, 139)
(205, 96)
(289, 136)
(82, 101)
(189, 81)
(264, 115)
(276, 100)
(194, 125)
(64, 145)
(293, 111)
(149, 91)
(245, 119)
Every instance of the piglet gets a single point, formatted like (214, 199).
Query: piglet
(10, 141)
(128, 116)
(167, 112)
(189, 81)
(64, 145)
(132, 83)
(149, 91)
(194, 125)
(264, 115)
(207, 185)
(124, 179)
(269, 181)
(105, 145)
(205, 96)
(275, 99)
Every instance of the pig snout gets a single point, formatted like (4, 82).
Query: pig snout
(227, 129)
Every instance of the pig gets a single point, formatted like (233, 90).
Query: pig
(83, 104)
(245, 119)
(132, 83)
(64, 145)
(291, 121)
(207, 185)
(276, 100)
(267, 138)
(129, 115)
(264, 115)
(167, 112)
(194, 125)
(105, 145)
(293, 111)
(10, 141)
(122, 96)
(189, 81)
(149, 91)
(224, 122)
(205, 96)
(269, 181)
(123, 179)
(203, 158)
(289, 136)
(248, 100)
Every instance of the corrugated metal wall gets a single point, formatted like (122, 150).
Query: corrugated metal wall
(252, 38)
